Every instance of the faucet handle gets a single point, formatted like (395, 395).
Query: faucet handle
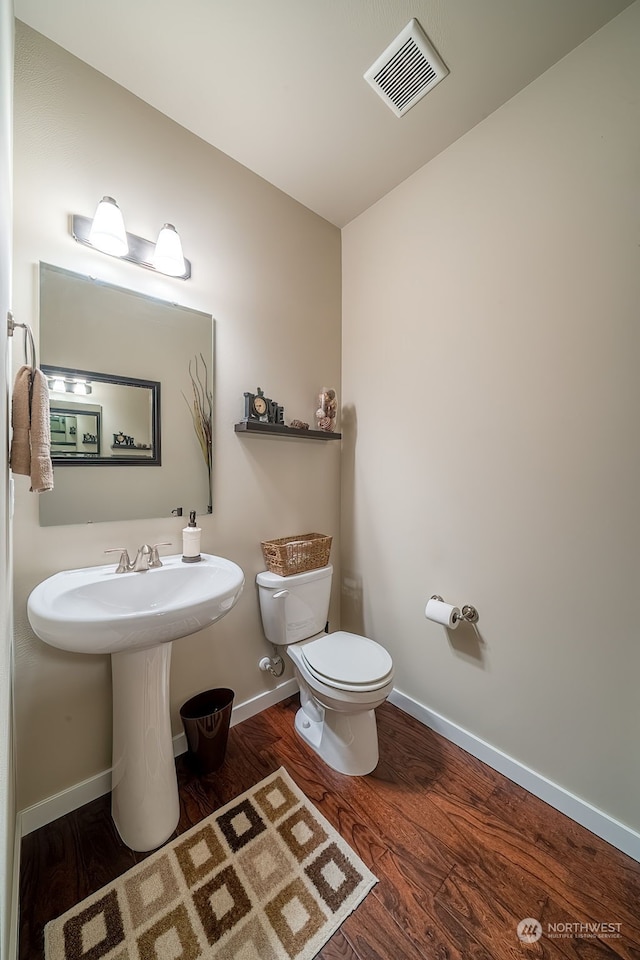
(124, 566)
(154, 559)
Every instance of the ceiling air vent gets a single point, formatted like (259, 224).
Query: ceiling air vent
(407, 70)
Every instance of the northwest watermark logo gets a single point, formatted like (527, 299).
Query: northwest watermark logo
(529, 930)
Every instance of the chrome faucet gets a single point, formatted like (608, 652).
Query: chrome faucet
(147, 558)
(141, 562)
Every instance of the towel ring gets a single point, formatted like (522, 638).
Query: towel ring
(29, 343)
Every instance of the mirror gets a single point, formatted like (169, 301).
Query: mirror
(126, 408)
(110, 355)
(75, 433)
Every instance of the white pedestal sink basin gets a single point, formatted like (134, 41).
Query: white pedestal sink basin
(135, 617)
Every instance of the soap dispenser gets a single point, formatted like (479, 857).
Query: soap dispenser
(191, 540)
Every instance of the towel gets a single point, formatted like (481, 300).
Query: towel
(41, 466)
(20, 458)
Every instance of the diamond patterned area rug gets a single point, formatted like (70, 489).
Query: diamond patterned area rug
(266, 877)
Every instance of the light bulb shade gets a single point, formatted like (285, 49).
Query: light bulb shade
(107, 230)
(168, 257)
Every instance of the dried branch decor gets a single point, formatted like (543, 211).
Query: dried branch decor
(201, 409)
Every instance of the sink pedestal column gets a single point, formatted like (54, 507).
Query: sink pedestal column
(144, 787)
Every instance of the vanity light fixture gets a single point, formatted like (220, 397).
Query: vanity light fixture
(80, 387)
(168, 256)
(106, 232)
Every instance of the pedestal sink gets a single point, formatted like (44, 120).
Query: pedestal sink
(135, 617)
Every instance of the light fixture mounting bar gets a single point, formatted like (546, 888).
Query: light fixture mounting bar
(140, 250)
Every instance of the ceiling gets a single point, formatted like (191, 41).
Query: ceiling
(278, 86)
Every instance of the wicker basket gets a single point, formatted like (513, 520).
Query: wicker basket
(289, 555)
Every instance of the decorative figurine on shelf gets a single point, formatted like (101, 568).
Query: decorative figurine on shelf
(327, 411)
(299, 425)
(122, 440)
(259, 407)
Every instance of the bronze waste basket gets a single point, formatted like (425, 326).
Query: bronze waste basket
(206, 719)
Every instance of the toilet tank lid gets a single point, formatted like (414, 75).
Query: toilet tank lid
(276, 582)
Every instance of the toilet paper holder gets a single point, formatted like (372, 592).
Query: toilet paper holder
(468, 613)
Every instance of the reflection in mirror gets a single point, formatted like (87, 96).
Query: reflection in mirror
(127, 408)
(94, 331)
(75, 433)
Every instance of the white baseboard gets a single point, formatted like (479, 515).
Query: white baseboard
(70, 799)
(14, 916)
(597, 821)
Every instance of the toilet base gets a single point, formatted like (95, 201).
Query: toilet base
(346, 742)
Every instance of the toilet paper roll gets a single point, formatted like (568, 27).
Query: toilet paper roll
(443, 613)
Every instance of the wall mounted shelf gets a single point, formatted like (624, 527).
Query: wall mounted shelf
(258, 428)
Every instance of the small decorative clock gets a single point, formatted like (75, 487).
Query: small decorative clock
(123, 440)
(259, 407)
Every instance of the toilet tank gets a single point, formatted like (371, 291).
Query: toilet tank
(294, 608)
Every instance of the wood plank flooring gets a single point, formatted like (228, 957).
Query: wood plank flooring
(462, 854)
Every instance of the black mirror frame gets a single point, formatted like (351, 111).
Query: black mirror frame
(120, 461)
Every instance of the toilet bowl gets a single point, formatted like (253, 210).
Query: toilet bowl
(342, 676)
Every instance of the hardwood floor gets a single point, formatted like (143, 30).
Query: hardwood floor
(462, 854)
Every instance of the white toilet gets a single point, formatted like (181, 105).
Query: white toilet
(343, 677)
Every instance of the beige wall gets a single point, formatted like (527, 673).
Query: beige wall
(490, 352)
(7, 770)
(269, 272)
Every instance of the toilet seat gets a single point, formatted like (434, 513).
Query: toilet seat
(347, 661)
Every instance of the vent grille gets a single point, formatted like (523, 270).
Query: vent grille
(407, 70)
